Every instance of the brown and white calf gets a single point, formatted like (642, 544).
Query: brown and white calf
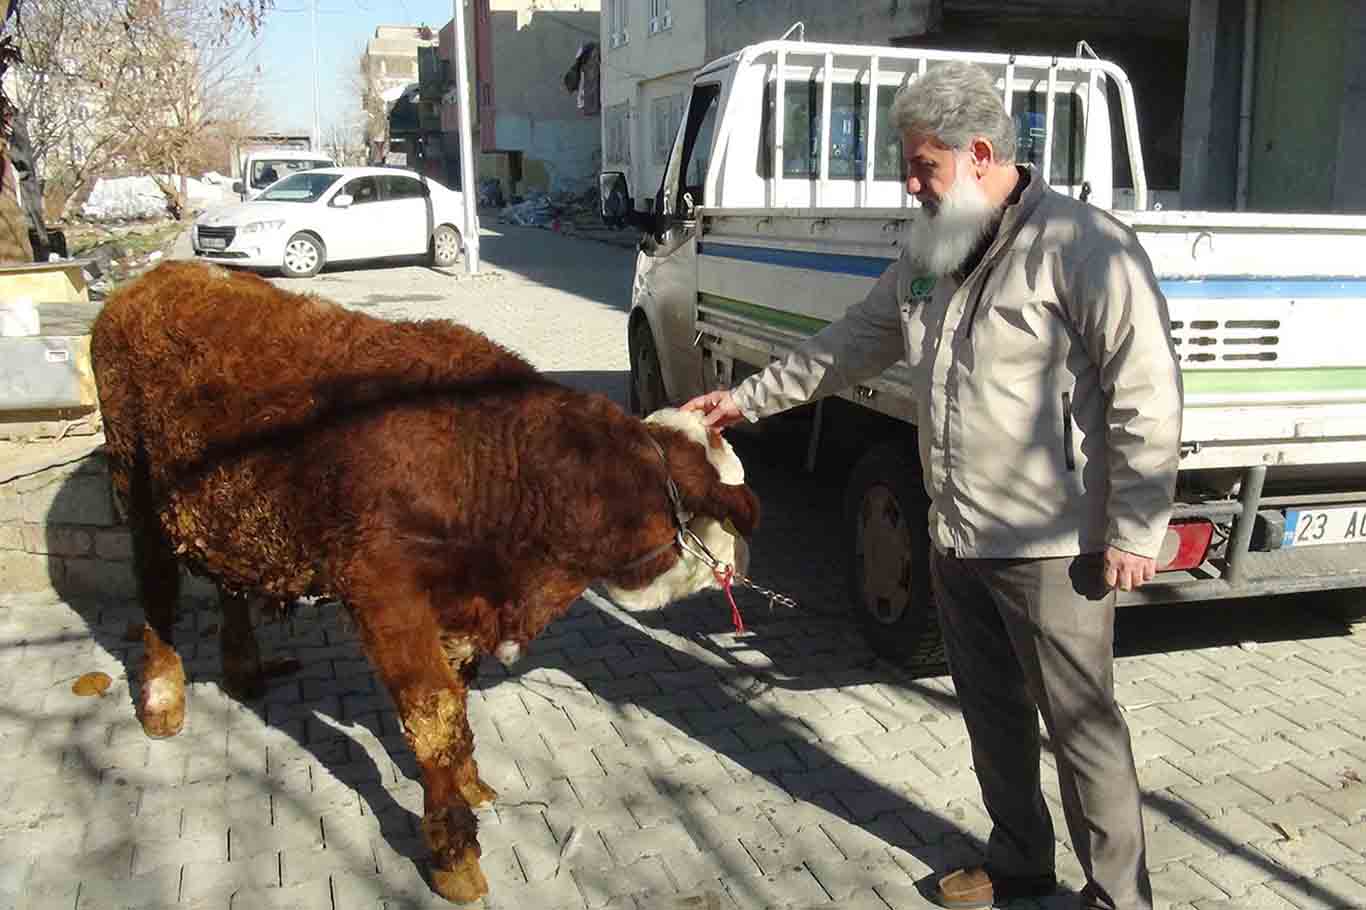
(452, 497)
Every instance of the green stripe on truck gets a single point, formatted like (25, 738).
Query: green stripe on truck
(1309, 379)
(792, 322)
(1197, 382)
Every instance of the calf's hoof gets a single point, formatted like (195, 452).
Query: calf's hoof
(161, 701)
(161, 704)
(463, 881)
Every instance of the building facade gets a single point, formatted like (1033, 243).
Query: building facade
(388, 66)
(533, 133)
(650, 51)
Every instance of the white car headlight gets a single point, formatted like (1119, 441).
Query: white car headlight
(256, 227)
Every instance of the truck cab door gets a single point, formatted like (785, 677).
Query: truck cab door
(666, 270)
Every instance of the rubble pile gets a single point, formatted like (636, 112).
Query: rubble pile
(564, 211)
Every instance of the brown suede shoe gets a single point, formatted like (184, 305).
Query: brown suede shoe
(976, 889)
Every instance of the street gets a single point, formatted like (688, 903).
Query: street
(696, 768)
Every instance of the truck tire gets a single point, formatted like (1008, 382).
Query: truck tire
(647, 393)
(887, 538)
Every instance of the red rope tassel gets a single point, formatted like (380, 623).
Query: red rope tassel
(726, 580)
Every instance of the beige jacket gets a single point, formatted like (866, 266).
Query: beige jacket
(1047, 388)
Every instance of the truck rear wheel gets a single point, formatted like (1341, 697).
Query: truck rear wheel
(647, 393)
(887, 532)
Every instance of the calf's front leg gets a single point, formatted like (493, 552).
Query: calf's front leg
(400, 636)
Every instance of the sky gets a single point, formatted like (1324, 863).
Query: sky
(284, 53)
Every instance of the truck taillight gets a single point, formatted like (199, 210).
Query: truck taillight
(1185, 545)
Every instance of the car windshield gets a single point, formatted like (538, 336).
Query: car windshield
(307, 187)
(265, 171)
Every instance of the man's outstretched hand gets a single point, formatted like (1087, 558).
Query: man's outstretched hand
(718, 410)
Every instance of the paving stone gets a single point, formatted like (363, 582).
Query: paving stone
(1179, 885)
(785, 889)
(1307, 854)
(1169, 843)
(1160, 774)
(1209, 767)
(1258, 897)
(1215, 798)
(1329, 889)
(1324, 739)
(649, 874)
(1281, 783)
(220, 880)
(1236, 872)
(1348, 804)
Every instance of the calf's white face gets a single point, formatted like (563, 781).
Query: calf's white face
(690, 574)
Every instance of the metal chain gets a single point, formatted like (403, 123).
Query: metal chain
(774, 597)
(691, 543)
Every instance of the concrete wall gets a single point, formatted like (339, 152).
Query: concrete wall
(531, 111)
(59, 532)
(731, 25)
(1209, 129)
(1309, 107)
(647, 67)
(1349, 193)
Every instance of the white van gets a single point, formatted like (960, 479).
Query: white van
(772, 219)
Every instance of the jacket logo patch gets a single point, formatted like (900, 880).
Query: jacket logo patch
(922, 289)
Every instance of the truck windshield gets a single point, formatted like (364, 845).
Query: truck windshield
(265, 171)
(300, 188)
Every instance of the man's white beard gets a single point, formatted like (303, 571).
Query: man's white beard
(944, 240)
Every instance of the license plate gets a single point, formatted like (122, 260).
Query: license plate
(213, 243)
(1315, 527)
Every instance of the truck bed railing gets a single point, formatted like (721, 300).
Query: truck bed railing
(911, 63)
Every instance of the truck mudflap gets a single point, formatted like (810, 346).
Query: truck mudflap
(1262, 557)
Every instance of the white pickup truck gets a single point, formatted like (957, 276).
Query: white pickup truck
(753, 244)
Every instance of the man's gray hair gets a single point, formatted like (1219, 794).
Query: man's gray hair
(956, 103)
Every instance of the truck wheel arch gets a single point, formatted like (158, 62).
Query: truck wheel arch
(646, 390)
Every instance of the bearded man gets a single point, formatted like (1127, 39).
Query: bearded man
(1049, 417)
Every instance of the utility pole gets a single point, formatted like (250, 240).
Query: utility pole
(468, 188)
(317, 134)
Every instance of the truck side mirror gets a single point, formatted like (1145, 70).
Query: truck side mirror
(614, 198)
(237, 187)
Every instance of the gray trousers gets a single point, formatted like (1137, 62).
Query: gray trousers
(1035, 636)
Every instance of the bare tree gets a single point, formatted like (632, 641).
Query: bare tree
(133, 85)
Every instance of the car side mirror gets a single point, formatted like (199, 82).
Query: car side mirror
(237, 187)
(343, 200)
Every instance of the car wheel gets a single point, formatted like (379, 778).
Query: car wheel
(647, 393)
(886, 515)
(304, 256)
(445, 250)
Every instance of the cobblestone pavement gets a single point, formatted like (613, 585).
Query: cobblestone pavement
(693, 768)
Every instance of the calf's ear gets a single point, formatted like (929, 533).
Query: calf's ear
(734, 503)
(700, 485)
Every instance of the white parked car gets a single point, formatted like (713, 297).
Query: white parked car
(335, 214)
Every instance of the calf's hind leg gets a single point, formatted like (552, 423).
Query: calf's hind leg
(242, 674)
(403, 644)
(161, 700)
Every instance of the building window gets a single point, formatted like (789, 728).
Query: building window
(661, 15)
(618, 22)
(617, 135)
(665, 115)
